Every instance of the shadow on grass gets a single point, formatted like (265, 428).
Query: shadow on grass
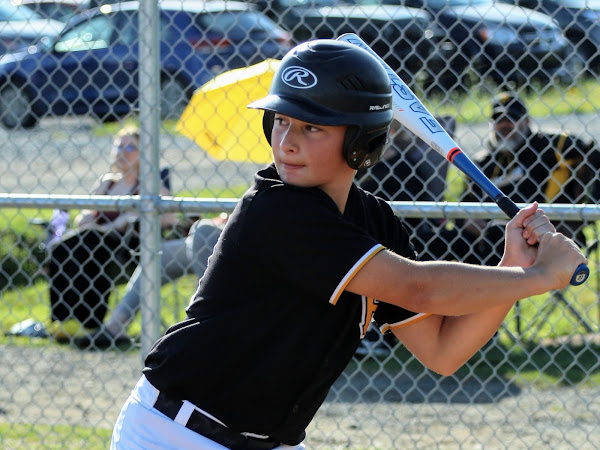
(565, 362)
(494, 373)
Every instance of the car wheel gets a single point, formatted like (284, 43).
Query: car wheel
(15, 108)
(173, 97)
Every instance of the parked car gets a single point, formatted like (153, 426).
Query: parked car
(20, 27)
(59, 10)
(497, 41)
(580, 23)
(93, 65)
(402, 36)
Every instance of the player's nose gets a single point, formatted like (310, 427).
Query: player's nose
(289, 139)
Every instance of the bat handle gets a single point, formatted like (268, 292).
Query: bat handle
(511, 209)
(508, 206)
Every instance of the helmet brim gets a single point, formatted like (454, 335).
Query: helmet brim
(299, 109)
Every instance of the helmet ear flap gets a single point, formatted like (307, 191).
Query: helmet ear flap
(352, 150)
(268, 120)
(364, 149)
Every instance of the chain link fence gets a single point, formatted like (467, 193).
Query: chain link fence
(68, 87)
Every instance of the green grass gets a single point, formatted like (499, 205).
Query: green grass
(33, 302)
(18, 436)
(475, 106)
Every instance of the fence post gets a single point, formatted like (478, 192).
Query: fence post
(149, 103)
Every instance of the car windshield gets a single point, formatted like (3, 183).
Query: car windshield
(308, 3)
(592, 4)
(442, 3)
(9, 12)
(54, 10)
(435, 4)
(237, 25)
(91, 35)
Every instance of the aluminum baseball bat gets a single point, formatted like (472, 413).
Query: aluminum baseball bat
(411, 113)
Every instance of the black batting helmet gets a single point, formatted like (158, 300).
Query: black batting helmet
(328, 82)
(508, 105)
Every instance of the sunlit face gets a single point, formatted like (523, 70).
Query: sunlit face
(126, 153)
(309, 155)
(508, 135)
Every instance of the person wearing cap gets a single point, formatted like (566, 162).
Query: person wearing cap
(306, 262)
(530, 166)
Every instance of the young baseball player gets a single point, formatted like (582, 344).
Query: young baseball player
(305, 262)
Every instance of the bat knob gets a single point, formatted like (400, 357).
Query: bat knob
(581, 274)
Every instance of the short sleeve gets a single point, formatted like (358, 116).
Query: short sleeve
(299, 237)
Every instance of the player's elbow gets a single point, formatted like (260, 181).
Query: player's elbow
(443, 365)
(446, 368)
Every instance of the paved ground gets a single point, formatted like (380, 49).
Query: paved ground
(65, 156)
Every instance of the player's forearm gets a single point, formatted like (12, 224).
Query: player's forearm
(460, 337)
(444, 343)
(453, 289)
(445, 288)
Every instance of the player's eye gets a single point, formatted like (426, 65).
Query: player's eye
(312, 127)
(280, 120)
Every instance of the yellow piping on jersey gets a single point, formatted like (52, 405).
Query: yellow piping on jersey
(414, 319)
(369, 306)
(353, 271)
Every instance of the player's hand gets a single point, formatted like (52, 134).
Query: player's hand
(523, 232)
(558, 257)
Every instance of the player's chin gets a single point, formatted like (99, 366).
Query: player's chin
(292, 173)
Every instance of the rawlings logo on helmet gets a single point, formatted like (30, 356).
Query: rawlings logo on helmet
(379, 107)
(299, 77)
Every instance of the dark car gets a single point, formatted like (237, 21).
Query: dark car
(580, 23)
(92, 66)
(60, 10)
(401, 36)
(495, 41)
(20, 27)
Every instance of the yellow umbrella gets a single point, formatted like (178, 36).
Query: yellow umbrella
(218, 120)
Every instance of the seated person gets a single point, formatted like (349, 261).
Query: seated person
(84, 261)
(178, 257)
(530, 166)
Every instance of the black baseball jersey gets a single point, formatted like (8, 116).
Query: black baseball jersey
(270, 327)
